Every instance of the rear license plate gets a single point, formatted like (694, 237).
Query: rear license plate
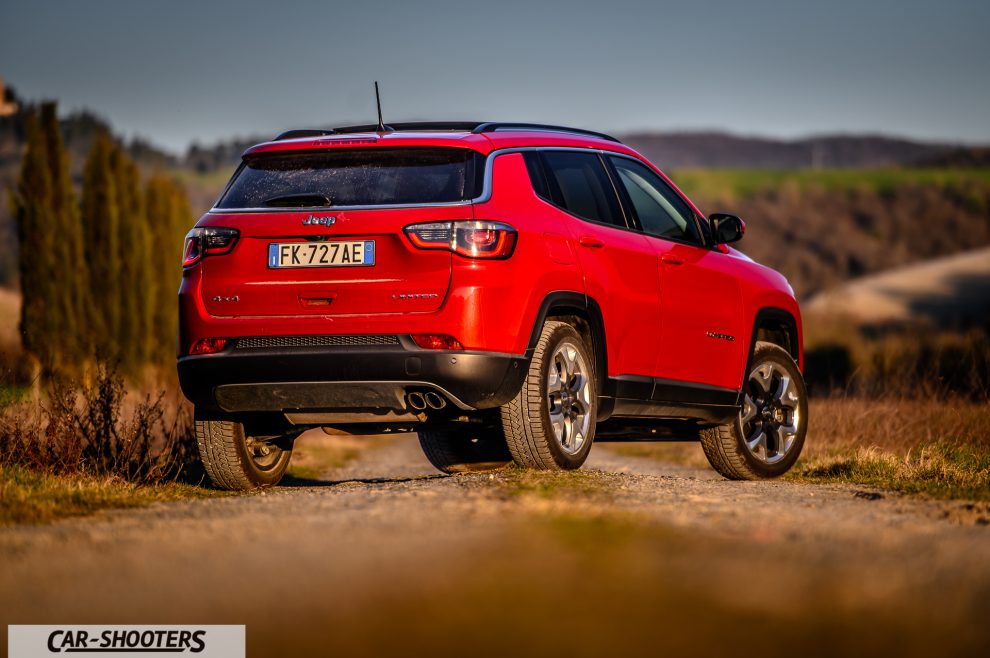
(321, 254)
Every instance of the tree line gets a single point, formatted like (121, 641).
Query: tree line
(99, 270)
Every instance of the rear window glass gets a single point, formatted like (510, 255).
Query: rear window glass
(357, 177)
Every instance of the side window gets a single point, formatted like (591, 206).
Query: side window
(535, 168)
(580, 185)
(660, 210)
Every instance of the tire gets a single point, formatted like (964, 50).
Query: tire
(546, 428)
(766, 439)
(469, 450)
(234, 461)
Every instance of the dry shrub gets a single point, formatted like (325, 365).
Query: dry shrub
(95, 429)
(914, 363)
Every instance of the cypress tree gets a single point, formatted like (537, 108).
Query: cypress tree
(135, 295)
(68, 277)
(100, 222)
(33, 209)
(170, 217)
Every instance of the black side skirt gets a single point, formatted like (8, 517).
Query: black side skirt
(631, 396)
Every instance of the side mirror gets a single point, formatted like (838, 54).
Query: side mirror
(726, 228)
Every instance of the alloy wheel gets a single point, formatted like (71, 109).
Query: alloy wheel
(771, 413)
(569, 397)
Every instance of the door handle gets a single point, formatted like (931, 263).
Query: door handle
(671, 259)
(590, 242)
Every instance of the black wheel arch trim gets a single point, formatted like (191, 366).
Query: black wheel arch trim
(559, 303)
(782, 317)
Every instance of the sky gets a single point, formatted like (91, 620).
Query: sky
(176, 72)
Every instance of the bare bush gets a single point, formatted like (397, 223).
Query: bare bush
(95, 429)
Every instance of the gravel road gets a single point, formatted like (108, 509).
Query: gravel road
(385, 556)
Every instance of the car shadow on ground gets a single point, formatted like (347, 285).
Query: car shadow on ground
(295, 482)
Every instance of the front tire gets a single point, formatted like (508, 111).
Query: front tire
(765, 440)
(235, 461)
(550, 424)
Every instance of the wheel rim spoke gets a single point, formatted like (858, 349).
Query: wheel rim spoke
(787, 393)
(763, 376)
(748, 411)
(758, 444)
(784, 440)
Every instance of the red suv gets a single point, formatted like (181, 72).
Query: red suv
(508, 291)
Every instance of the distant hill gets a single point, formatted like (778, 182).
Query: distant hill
(949, 292)
(707, 150)
(719, 150)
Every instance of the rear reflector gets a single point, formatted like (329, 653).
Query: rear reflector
(437, 342)
(208, 346)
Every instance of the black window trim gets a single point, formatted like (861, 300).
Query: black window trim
(627, 201)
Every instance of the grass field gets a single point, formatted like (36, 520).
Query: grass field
(736, 184)
(938, 449)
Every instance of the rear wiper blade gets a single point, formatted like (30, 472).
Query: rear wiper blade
(308, 200)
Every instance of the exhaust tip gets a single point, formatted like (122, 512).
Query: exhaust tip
(416, 401)
(434, 400)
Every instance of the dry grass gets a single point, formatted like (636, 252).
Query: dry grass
(80, 448)
(934, 448)
(30, 496)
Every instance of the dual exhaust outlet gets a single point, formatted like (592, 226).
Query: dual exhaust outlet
(428, 400)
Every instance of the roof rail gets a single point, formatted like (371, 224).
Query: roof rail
(475, 127)
(493, 126)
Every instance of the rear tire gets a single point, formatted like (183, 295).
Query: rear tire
(550, 424)
(465, 451)
(235, 461)
(765, 440)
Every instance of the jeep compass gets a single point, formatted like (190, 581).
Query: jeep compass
(510, 292)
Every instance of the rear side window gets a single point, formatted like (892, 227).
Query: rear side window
(661, 212)
(535, 168)
(356, 177)
(579, 184)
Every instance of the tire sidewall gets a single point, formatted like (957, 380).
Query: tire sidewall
(562, 458)
(777, 355)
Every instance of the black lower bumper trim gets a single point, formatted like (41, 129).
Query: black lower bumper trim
(347, 379)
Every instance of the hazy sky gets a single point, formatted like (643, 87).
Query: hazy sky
(180, 71)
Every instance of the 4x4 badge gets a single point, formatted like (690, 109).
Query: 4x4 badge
(313, 220)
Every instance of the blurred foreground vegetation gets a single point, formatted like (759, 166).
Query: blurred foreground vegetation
(76, 448)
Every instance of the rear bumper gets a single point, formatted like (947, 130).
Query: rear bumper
(359, 380)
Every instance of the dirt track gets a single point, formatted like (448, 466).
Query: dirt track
(387, 557)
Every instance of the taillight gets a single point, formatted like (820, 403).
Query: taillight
(207, 241)
(437, 342)
(472, 239)
(208, 346)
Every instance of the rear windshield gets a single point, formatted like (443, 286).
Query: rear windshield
(358, 177)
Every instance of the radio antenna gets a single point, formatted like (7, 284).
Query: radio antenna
(378, 100)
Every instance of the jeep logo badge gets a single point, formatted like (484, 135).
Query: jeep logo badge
(313, 220)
